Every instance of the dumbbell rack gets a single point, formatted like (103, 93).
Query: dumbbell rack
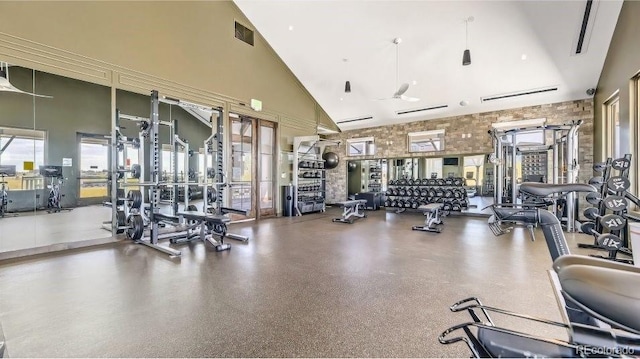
(610, 192)
(406, 194)
(374, 180)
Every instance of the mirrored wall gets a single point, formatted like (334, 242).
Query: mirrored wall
(54, 140)
(380, 175)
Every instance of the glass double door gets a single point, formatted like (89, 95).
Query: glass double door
(252, 158)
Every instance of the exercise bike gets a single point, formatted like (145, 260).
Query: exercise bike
(54, 173)
(599, 299)
(5, 171)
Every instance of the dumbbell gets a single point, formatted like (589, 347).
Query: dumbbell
(457, 193)
(407, 204)
(387, 203)
(424, 182)
(394, 203)
(439, 193)
(431, 182)
(446, 207)
(594, 198)
(448, 182)
(414, 204)
(402, 191)
(458, 182)
(402, 182)
(599, 167)
(620, 164)
(618, 184)
(612, 222)
(608, 241)
(448, 193)
(596, 181)
(615, 203)
(455, 207)
(440, 182)
(409, 192)
(410, 181)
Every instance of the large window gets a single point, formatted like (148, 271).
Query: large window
(426, 141)
(611, 122)
(25, 150)
(364, 146)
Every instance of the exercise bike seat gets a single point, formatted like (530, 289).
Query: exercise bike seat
(546, 189)
(568, 260)
(611, 294)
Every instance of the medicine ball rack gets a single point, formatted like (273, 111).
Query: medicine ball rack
(404, 194)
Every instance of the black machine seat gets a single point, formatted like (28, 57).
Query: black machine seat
(426, 208)
(205, 217)
(546, 189)
(508, 345)
(568, 260)
(609, 293)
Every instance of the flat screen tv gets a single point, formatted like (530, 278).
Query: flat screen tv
(450, 161)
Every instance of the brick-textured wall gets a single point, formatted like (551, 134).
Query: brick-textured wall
(391, 141)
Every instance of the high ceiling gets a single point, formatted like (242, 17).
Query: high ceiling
(515, 46)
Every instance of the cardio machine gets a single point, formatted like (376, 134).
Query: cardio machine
(54, 174)
(5, 171)
(598, 300)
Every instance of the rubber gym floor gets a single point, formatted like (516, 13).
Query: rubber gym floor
(302, 287)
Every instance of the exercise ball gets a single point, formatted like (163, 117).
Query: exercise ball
(351, 166)
(330, 160)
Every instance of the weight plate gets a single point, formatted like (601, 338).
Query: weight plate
(591, 213)
(135, 227)
(618, 184)
(134, 198)
(594, 198)
(135, 171)
(588, 228)
(615, 203)
(596, 181)
(609, 242)
(613, 222)
(620, 164)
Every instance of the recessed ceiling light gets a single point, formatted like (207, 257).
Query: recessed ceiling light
(464, 103)
(341, 99)
(524, 56)
(290, 27)
(414, 82)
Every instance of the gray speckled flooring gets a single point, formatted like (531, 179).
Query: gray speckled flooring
(302, 287)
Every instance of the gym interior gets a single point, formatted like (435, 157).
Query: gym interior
(319, 179)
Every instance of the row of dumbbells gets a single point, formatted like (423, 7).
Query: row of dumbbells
(612, 222)
(453, 205)
(310, 198)
(311, 174)
(453, 181)
(309, 188)
(428, 192)
(310, 164)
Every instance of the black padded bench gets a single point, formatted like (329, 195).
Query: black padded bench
(206, 225)
(351, 210)
(433, 220)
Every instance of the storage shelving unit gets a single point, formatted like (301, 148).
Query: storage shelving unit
(309, 179)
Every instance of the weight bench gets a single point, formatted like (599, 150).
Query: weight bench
(204, 226)
(351, 210)
(432, 211)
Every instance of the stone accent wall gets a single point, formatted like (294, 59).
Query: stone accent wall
(391, 141)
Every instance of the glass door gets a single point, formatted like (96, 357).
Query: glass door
(94, 169)
(242, 165)
(267, 158)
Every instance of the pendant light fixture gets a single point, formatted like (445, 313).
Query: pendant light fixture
(347, 85)
(466, 55)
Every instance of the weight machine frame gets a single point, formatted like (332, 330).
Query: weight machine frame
(565, 144)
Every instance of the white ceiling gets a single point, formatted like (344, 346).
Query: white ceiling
(433, 39)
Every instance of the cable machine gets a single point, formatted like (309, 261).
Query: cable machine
(518, 161)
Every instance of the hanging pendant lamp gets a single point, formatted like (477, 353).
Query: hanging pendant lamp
(466, 55)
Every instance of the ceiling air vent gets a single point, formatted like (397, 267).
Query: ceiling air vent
(517, 94)
(421, 109)
(356, 119)
(583, 33)
(244, 34)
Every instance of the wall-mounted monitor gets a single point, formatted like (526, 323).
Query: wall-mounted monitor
(450, 161)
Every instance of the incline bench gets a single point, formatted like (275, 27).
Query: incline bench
(203, 226)
(351, 210)
(432, 211)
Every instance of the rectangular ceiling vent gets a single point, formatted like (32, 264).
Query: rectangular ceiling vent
(421, 109)
(356, 119)
(244, 34)
(585, 27)
(518, 94)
